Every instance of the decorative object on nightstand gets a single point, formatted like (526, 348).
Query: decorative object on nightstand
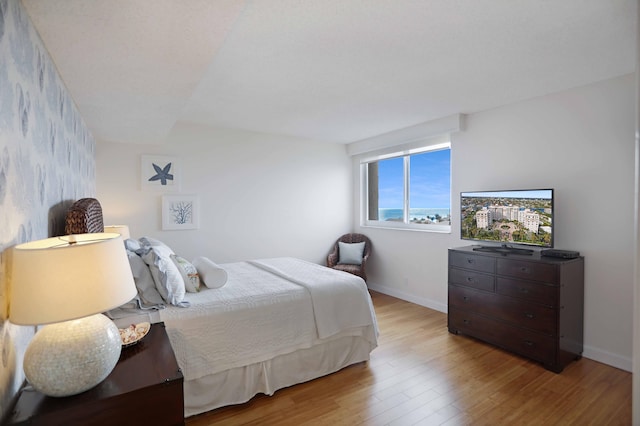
(85, 215)
(66, 282)
(118, 229)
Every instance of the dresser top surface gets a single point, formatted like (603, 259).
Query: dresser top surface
(533, 256)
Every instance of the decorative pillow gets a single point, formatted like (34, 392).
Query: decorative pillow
(132, 245)
(350, 253)
(164, 271)
(189, 273)
(148, 294)
(153, 243)
(211, 274)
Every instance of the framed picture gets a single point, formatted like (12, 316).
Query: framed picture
(159, 172)
(180, 212)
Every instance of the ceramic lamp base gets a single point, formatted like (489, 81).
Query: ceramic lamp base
(71, 357)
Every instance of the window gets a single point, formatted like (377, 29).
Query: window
(409, 190)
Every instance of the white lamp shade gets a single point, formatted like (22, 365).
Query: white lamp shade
(118, 229)
(55, 279)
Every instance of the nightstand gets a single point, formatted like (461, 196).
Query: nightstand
(145, 387)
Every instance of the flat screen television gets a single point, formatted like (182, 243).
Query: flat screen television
(509, 217)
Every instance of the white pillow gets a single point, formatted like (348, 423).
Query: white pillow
(211, 274)
(189, 273)
(132, 245)
(147, 291)
(350, 253)
(165, 273)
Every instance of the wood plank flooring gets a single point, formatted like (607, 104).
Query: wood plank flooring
(421, 374)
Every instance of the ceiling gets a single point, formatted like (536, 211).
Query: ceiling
(327, 70)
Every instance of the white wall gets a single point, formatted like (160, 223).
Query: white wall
(579, 142)
(268, 196)
(260, 195)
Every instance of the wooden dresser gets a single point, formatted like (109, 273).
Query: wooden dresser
(527, 304)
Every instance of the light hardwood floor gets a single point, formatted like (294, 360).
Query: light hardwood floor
(421, 374)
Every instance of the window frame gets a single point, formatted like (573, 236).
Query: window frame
(405, 224)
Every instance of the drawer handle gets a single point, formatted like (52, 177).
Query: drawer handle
(470, 260)
(524, 269)
(470, 279)
(524, 290)
(528, 343)
(529, 315)
(466, 321)
(465, 298)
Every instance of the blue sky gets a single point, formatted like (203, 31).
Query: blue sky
(429, 181)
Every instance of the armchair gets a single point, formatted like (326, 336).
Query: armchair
(333, 259)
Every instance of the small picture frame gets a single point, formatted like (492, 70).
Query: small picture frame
(159, 172)
(180, 212)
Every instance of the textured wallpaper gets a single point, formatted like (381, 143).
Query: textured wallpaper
(47, 160)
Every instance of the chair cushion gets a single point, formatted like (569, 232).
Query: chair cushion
(350, 253)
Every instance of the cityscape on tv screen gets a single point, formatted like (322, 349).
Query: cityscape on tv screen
(519, 217)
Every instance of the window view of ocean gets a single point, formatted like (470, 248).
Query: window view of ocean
(415, 214)
(417, 179)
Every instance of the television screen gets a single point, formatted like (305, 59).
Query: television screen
(508, 217)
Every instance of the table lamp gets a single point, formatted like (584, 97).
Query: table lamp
(118, 229)
(66, 282)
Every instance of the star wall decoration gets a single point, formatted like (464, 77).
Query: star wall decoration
(162, 174)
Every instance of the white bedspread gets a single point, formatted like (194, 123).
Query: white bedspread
(267, 308)
(340, 300)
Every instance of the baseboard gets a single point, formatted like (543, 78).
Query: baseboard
(596, 354)
(427, 303)
(605, 357)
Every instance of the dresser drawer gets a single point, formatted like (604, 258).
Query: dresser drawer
(535, 271)
(529, 290)
(472, 279)
(471, 261)
(524, 342)
(517, 312)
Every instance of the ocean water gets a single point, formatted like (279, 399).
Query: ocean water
(390, 214)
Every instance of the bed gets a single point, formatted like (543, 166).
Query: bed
(273, 323)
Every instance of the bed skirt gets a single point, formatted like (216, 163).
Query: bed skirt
(239, 385)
